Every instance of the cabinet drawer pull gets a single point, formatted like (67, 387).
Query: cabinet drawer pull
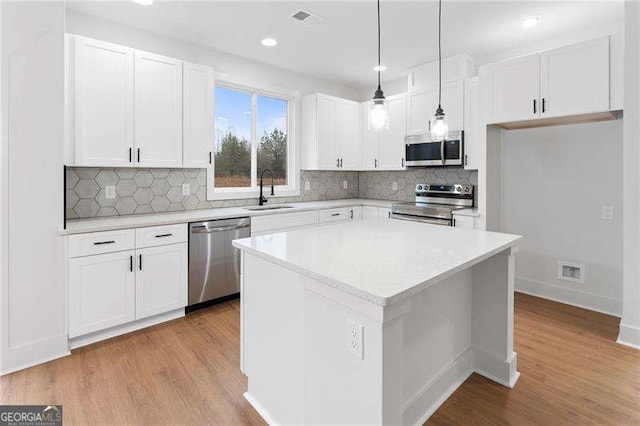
(535, 102)
(99, 243)
(140, 262)
(335, 214)
(138, 155)
(131, 263)
(209, 157)
(163, 235)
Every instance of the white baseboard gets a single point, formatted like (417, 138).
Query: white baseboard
(629, 336)
(581, 299)
(119, 330)
(260, 409)
(437, 391)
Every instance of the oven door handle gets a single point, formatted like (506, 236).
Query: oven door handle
(433, 221)
(442, 151)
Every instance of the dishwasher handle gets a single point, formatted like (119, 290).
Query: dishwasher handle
(204, 230)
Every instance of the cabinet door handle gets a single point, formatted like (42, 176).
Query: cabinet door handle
(99, 243)
(131, 263)
(453, 222)
(402, 162)
(535, 102)
(337, 162)
(341, 162)
(138, 151)
(209, 157)
(543, 105)
(163, 235)
(466, 160)
(429, 125)
(130, 154)
(140, 262)
(351, 214)
(375, 163)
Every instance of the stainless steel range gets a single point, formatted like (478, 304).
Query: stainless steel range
(435, 204)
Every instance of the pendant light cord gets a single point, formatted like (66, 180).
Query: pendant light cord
(439, 53)
(379, 45)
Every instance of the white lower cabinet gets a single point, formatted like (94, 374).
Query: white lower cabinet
(370, 212)
(467, 222)
(101, 292)
(135, 280)
(161, 279)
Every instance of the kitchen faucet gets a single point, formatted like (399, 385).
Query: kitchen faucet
(262, 198)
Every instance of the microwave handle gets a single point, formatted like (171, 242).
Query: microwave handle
(442, 151)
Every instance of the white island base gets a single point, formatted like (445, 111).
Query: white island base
(303, 361)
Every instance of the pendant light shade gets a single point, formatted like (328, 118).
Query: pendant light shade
(439, 122)
(379, 106)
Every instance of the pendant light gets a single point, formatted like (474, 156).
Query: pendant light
(379, 106)
(439, 122)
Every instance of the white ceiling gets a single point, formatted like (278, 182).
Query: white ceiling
(343, 47)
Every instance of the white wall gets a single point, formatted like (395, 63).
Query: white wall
(32, 308)
(236, 66)
(555, 182)
(630, 324)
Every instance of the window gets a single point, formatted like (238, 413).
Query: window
(252, 134)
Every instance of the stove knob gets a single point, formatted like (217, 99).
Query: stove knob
(419, 188)
(426, 187)
(467, 189)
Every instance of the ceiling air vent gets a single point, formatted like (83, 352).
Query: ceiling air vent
(307, 18)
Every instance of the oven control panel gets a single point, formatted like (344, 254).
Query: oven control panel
(444, 189)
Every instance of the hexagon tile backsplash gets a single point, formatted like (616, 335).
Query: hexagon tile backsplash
(140, 191)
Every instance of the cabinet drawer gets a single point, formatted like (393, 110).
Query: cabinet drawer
(335, 215)
(161, 235)
(279, 222)
(100, 242)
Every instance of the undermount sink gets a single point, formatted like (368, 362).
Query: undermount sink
(258, 208)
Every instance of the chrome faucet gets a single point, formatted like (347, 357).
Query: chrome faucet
(262, 198)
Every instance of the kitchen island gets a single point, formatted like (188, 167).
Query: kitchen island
(373, 322)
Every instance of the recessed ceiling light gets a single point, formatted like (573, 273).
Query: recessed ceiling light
(379, 68)
(143, 2)
(530, 22)
(269, 42)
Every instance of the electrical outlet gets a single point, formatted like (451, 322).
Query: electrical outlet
(607, 212)
(307, 185)
(394, 186)
(355, 339)
(110, 192)
(186, 189)
(345, 184)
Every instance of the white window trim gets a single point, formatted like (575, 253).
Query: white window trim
(292, 188)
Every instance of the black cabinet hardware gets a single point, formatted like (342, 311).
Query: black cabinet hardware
(99, 243)
(131, 263)
(163, 235)
(335, 214)
(351, 214)
(138, 155)
(543, 105)
(375, 163)
(140, 262)
(130, 154)
(402, 162)
(465, 160)
(535, 103)
(209, 157)
(337, 162)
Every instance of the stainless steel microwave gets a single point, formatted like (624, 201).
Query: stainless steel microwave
(420, 150)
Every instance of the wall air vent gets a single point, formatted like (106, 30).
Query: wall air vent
(307, 18)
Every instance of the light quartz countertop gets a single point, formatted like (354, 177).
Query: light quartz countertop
(379, 260)
(80, 226)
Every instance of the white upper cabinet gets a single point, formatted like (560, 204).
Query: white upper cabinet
(512, 89)
(369, 141)
(330, 134)
(568, 81)
(575, 79)
(347, 135)
(421, 107)
(102, 103)
(197, 131)
(158, 111)
(474, 128)
(392, 147)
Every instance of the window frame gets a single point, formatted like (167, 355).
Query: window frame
(292, 188)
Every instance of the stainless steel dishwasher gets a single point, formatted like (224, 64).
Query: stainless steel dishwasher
(214, 264)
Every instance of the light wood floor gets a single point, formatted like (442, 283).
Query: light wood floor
(187, 372)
